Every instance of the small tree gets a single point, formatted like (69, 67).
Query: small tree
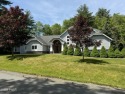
(111, 52)
(80, 33)
(77, 51)
(103, 52)
(123, 52)
(65, 49)
(86, 52)
(70, 50)
(94, 52)
(118, 53)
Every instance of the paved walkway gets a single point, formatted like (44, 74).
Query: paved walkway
(17, 83)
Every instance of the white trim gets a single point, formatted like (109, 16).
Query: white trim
(36, 40)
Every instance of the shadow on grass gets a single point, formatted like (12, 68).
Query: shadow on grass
(21, 57)
(92, 61)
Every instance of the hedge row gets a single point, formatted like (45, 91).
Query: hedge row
(111, 53)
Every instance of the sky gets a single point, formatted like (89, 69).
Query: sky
(56, 11)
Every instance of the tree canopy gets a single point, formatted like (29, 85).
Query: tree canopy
(15, 27)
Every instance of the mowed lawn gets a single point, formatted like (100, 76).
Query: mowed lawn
(106, 71)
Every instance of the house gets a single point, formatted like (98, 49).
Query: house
(54, 43)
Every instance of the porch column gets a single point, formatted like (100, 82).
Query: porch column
(51, 48)
(62, 43)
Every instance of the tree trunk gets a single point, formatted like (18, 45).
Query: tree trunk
(82, 55)
(12, 51)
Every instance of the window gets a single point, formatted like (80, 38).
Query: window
(67, 36)
(67, 39)
(34, 47)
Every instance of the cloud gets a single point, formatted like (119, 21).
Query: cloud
(55, 11)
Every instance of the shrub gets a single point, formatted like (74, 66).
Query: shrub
(94, 52)
(123, 52)
(77, 51)
(111, 52)
(103, 52)
(70, 50)
(86, 52)
(118, 53)
(65, 49)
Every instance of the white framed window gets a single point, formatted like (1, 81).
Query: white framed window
(34, 47)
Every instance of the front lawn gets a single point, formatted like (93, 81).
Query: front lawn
(94, 70)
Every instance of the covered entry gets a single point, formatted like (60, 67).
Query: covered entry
(56, 46)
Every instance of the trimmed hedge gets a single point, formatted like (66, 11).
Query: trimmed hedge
(77, 51)
(65, 49)
(111, 53)
(103, 52)
(118, 53)
(70, 50)
(86, 52)
(94, 52)
(123, 52)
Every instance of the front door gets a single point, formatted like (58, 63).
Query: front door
(57, 46)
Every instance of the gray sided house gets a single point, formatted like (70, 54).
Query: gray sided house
(54, 43)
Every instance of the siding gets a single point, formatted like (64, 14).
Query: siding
(64, 38)
(104, 41)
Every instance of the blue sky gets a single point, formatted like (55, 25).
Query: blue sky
(55, 11)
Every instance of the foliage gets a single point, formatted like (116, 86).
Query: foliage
(103, 52)
(111, 52)
(67, 23)
(103, 13)
(65, 49)
(70, 50)
(56, 29)
(15, 29)
(86, 52)
(84, 11)
(123, 52)
(80, 33)
(118, 53)
(47, 30)
(77, 51)
(94, 52)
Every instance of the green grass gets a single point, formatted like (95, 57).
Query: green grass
(110, 71)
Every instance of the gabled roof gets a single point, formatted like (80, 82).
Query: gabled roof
(95, 32)
(48, 38)
(45, 40)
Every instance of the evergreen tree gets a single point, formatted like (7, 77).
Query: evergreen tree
(77, 51)
(94, 52)
(103, 52)
(118, 53)
(84, 11)
(70, 50)
(3, 3)
(123, 52)
(86, 52)
(111, 52)
(65, 49)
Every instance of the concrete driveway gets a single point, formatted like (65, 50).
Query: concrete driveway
(17, 83)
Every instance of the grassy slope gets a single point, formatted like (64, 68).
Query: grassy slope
(94, 70)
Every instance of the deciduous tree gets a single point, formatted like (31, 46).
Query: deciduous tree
(15, 27)
(80, 33)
